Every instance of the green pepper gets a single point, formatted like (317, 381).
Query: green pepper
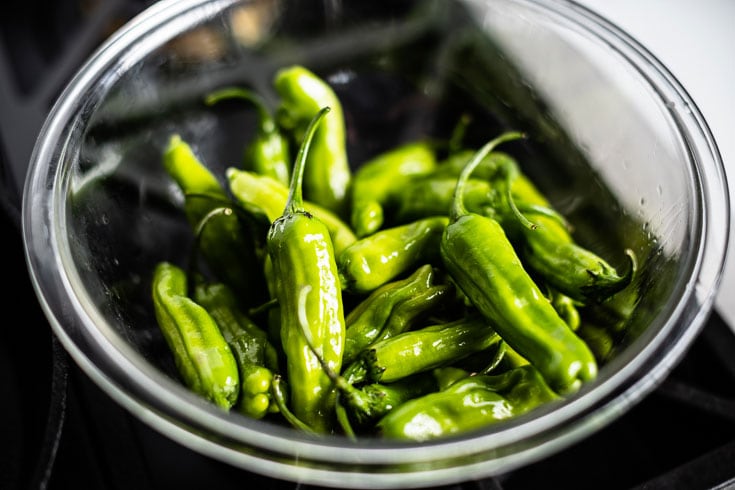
(327, 175)
(307, 285)
(484, 264)
(471, 403)
(231, 246)
(382, 179)
(385, 255)
(392, 309)
(421, 350)
(256, 357)
(432, 196)
(268, 152)
(269, 196)
(548, 248)
(200, 352)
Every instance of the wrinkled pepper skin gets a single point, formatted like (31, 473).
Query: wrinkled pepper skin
(256, 357)
(392, 309)
(421, 350)
(200, 352)
(385, 255)
(310, 301)
(327, 175)
(380, 180)
(268, 151)
(471, 403)
(478, 255)
(548, 248)
(270, 196)
(229, 245)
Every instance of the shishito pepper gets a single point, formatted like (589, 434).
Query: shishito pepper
(308, 290)
(421, 350)
(232, 247)
(380, 180)
(200, 352)
(327, 175)
(392, 309)
(385, 255)
(256, 357)
(484, 264)
(267, 153)
(471, 403)
(263, 193)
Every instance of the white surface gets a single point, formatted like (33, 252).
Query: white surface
(696, 42)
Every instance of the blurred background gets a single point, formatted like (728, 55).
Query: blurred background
(59, 431)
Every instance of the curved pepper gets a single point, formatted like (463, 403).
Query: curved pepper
(383, 256)
(484, 264)
(268, 152)
(200, 352)
(420, 350)
(392, 309)
(380, 180)
(471, 403)
(327, 175)
(231, 247)
(308, 290)
(432, 196)
(256, 357)
(270, 196)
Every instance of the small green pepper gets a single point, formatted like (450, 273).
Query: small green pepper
(232, 247)
(308, 290)
(200, 352)
(382, 179)
(269, 196)
(471, 403)
(392, 309)
(484, 264)
(432, 196)
(256, 357)
(327, 175)
(421, 350)
(385, 255)
(268, 152)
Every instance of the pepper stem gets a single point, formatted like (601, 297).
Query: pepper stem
(458, 208)
(267, 123)
(295, 201)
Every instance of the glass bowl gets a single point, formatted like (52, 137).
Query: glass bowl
(614, 141)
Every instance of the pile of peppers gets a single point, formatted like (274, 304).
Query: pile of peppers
(427, 293)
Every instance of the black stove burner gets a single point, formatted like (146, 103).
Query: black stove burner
(60, 431)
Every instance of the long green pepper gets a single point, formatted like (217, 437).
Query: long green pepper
(200, 352)
(484, 264)
(328, 175)
(308, 291)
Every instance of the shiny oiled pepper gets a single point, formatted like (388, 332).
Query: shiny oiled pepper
(230, 246)
(471, 403)
(385, 255)
(268, 152)
(270, 196)
(380, 180)
(200, 352)
(256, 357)
(308, 291)
(327, 175)
(484, 264)
(421, 350)
(548, 248)
(392, 309)
(432, 196)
